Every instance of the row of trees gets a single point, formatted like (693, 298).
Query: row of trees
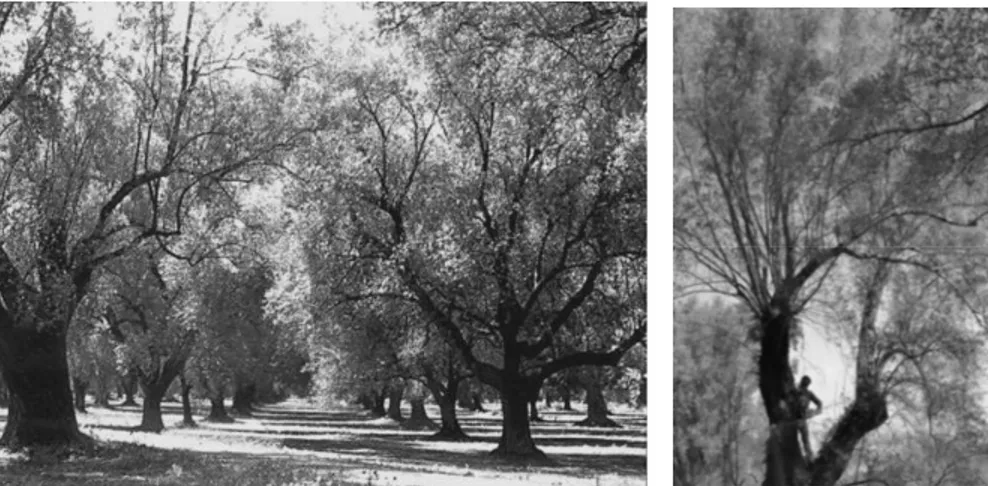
(832, 162)
(213, 204)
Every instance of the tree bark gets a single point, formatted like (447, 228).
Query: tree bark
(129, 385)
(419, 419)
(596, 404)
(463, 396)
(4, 394)
(478, 403)
(187, 419)
(785, 463)
(449, 428)
(446, 397)
(35, 366)
(151, 411)
(869, 410)
(533, 404)
(243, 398)
(777, 384)
(81, 385)
(533, 407)
(217, 409)
(642, 399)
(102, 397)
(378, 409)
(394, 403)
(516, 441)
(566, 397)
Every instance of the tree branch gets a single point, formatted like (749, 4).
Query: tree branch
(590, 358)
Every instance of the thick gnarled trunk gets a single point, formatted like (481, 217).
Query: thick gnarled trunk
(151, 411)
(516, 433)
(783, 456)
(419, 419)
(785, 464)
(35, 367)
(449, 428)
(217, 409)
(596, 404)
(446, 397)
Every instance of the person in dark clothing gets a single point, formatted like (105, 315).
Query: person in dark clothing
(804, 398)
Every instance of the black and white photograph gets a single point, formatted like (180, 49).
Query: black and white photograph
(400, 244)
(830, 262)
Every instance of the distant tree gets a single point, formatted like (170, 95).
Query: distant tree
(92, 362)
(152, 318)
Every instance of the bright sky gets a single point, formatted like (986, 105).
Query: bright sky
(320, 17)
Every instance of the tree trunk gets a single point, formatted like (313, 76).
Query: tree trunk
(450, 427)
(243, 398)
(151, 411)
(365, 401)
(533, 404)
(102, 391)
(36, 369)
(478, 403)
(596, 404)
(378, 409)
(394, 403)
(419, 420)
(783, 456)
(516, 441)
(217, 410)
(463, 396)
(565, 396)
(129, 385)
(4, 394)
(102, 397)
(533, 407)
(446, 397)
(869, 410)
(642, 400)
(187, 419)
(81, 385)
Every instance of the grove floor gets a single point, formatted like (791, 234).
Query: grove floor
(297, 443)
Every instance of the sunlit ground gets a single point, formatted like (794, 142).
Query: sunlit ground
(297, 443)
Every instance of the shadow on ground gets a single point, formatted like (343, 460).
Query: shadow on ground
(337, 443)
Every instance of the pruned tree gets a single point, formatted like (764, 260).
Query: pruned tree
(151, 315)
(798, 146)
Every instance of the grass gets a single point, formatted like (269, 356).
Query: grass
(295, 443)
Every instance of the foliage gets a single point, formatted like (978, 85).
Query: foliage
(715, 421)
